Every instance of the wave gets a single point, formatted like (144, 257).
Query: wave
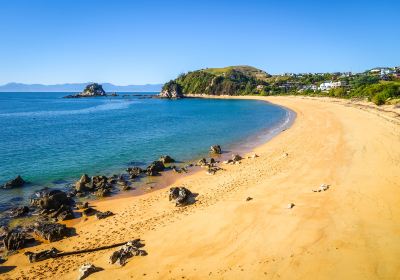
(111, 105)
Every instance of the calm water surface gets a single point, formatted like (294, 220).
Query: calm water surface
(51, 141)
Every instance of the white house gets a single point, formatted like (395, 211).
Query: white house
(330, 85)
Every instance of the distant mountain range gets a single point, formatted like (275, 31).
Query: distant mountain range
(77, 87)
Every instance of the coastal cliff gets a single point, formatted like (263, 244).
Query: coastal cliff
(233, 80)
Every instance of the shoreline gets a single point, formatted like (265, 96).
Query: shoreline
(224, 236)
(149, 184)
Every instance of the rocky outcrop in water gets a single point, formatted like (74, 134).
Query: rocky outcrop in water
(19, 212)
(155, 168)
(166, 159)
(14, 183)
(216, 149)
(91, 90)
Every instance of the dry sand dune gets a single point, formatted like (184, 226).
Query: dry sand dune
(350, 231)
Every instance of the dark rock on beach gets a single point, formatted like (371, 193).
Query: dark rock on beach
(129, 250)
(15, 240)
(154, 168)
(42, 255)
(181, 195)
(86, 269)
(50, 231)
(103, 215)
(14, 183)
(134, 171)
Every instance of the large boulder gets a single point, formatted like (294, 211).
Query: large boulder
(181, 195)
(50, 231)
(15, 240)
(42, 255)
(134, 171)
(14, 183)
(171, 90)
(50, 199)
(154, 168)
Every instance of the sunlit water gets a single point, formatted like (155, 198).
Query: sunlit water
(51, 141)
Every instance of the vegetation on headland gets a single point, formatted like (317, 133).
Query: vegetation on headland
(379, 85)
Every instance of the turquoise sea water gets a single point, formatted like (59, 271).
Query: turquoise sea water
(50, 141)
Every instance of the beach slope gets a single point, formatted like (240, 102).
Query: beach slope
(350, 231)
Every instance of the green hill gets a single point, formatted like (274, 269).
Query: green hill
(232, 80)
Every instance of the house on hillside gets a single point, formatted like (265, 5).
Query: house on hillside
(330, 85)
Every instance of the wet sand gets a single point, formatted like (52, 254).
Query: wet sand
(350, 231)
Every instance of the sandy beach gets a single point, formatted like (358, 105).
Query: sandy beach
(350, 231)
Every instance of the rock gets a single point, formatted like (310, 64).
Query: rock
(171, 90)
(81, 187)
(212, 161)
(202, 162)
(236, 158)
(103, 215)
(85, 179)
(99, 182)
(87, 269)
(290, 205)
(14, 183)
(129, 250)
(42, 255)
(19, 211)
(103, 192)
(90, 90)
(82, 205)
(63, 213)
(181, 195)
(229, 161)
(51, 199)
(216, 149)
(134, 171)
(50, 231)
(154, 168)
(89, 212)
(253, 156)
(15, 240)
(166, 159)
(249, 198)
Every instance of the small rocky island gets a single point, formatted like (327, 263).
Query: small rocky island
(91, 90)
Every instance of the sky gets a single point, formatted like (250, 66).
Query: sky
(140, 42)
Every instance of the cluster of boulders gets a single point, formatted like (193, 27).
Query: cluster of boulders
(234, 160)
(98, 185)
(54, 204)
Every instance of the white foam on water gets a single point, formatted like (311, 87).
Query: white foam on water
(106, 106)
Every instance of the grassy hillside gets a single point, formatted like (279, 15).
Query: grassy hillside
(247, 80)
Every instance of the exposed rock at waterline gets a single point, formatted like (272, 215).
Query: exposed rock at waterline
(154, 168)
(15, 240)
(166, 159)
(50, 199)
(91, 90)
(216, 149)
(171, 90)
(14, 183)
(50, 231)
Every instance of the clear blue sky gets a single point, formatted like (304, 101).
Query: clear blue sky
(138, 42)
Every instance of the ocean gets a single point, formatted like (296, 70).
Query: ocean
(51, 141)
